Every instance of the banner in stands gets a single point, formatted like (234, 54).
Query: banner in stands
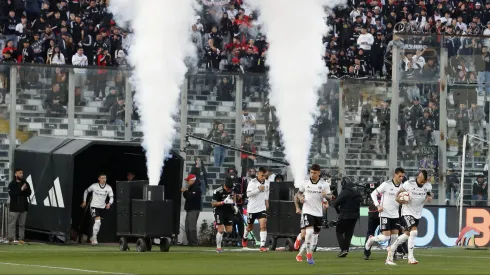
(438, 227)
(215, 2)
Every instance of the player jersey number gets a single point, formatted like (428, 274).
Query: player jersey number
(304, 221)
(249, 218)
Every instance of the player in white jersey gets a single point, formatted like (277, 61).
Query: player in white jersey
(258, 202)
(388, 210)
(311, 194)
(420, 192)
(98, 205)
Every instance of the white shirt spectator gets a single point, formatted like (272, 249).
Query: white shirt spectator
(58, 60)
(198, 24)
(462, 26)
(248, 124)
(486, 32)
(79, 60)
(365, 41)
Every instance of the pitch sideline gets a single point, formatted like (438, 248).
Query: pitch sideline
(65, 268)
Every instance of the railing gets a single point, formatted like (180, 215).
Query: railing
(359, 135)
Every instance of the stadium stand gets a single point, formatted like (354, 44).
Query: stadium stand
(424, 27)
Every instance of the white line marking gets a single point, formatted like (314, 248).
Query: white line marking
(64, 268)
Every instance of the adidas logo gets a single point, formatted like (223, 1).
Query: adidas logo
(55, 196)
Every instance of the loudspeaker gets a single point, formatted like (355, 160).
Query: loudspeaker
(128, 190)
(289, 220)
(153, 193)
(123, 217)
(152, 218)
(283, 191)
(273, 217)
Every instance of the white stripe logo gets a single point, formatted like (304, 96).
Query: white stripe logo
(32, 198)
(55, 196)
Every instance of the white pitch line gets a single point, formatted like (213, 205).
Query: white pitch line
(64, 268)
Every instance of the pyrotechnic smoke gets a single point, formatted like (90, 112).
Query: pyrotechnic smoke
(295, 30)
(161, 43)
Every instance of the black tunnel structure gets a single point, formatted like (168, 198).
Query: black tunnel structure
(60, 169)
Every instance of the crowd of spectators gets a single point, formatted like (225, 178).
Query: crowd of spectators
(52, 32)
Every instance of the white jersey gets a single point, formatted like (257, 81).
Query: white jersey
(417, 198)
(257, 198)
(99, 195)
(313, 196)
(391, 207)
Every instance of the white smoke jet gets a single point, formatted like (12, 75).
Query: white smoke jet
(295, 30)
(161, 43)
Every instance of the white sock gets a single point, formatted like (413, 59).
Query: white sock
(245, 234)
(219, 238)
(314, 240)
(411, 243)
(401, 239)
(96, 229)
(381, 238)
(302, 249)
(393, 238)
(309, 236)
(299, 237)
(263, 238)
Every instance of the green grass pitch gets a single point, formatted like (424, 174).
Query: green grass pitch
(107, 259)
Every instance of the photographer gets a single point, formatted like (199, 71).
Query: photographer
(347, 205)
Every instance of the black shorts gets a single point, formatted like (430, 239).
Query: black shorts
(251, 217)
(388, 224)
(409, 221)
(308, 220)
(97, 212)
(223, 218)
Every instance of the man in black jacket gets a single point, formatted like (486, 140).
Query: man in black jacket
(19, 191)
(347, 205)
(193, 197)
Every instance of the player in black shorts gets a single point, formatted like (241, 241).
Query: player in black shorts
(224, 211)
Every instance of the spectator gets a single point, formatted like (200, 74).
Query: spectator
(383, 114)
(477, 120)
(248, 122)
(38, 49)
(462, 126)
(79, 59)
(200, 171)
(480, 191)
(367, 120)
(272, 126)
(225, 90)
(56, 58)
(482, 66)
(220, 136)
(424, 128)
(103, 60)
(79, 100)
(117, 112)
(452, 185)
(323, 126)
(10, 27)
(111, 99)
(248, 161)
(54, 102)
